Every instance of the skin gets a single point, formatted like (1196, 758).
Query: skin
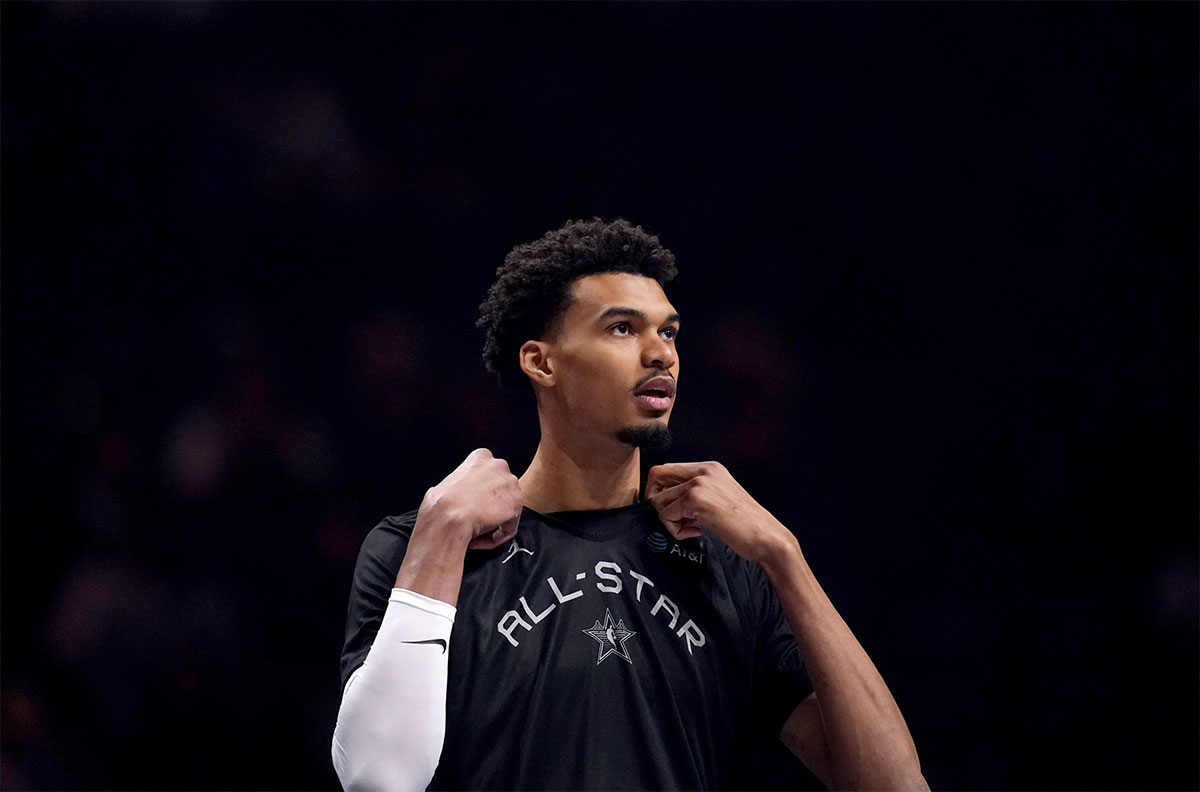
(849, 732)
(584, 377)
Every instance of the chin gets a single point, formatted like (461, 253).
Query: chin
(646, 435)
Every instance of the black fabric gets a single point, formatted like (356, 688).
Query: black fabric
(564, 675)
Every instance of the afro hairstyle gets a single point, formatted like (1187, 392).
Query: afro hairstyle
(532, 287)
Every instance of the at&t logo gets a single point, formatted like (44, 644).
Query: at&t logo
(661, 543)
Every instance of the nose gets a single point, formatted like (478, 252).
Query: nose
(658, 352)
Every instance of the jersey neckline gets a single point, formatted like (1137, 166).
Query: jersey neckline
(595, 525)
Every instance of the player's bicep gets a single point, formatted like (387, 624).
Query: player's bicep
(804, 735)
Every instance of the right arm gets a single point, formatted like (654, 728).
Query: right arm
(392, 719)
(477, 506)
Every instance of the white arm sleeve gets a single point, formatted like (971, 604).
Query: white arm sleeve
(393, 715)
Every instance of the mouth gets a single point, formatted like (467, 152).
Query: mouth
(656, 394)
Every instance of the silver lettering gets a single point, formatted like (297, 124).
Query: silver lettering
(667, 605)
(562, 597)
(600, 573)
(538, 616)
(641, 579)
(692, 633)
(514, 619)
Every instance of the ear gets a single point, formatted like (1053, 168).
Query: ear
(535, 362)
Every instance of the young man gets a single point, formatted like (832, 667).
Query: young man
(604, 636)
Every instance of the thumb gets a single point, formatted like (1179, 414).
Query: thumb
(494, 539)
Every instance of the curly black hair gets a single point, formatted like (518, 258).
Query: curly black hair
(532, 287)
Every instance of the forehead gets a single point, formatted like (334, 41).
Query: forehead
(592, 295)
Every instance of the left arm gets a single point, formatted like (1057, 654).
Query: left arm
(850, 732)
(868, 743)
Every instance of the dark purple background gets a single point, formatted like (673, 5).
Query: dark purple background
(940, 297)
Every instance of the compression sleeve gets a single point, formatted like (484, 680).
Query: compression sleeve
(392, 718)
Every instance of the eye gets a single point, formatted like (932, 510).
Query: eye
(621, 329)
(669, 333)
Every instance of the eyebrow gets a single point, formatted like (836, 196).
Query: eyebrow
(634, 313)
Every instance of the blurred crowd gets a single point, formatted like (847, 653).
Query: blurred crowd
(938, 280)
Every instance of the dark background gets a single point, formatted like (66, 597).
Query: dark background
(939, 275)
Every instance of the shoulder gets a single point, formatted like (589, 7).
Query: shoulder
(724, 555)
(385, 544)
(392, 529)
(746, 580)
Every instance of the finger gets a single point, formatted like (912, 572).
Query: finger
(683, 510)
(472, 459)
(506, 530)
(494, 539)
(669, 495)
(509, 526)
(503, 534)
(485, 542)
(682, 529)
(478, 454)
(661, 477)
(679, 510)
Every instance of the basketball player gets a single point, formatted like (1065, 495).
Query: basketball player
(571, 629)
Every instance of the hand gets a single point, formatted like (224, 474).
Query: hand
(694, 494)
(480, 498)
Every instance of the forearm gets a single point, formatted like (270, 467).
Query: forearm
(433, 563)
(869, 743)
(392, 718)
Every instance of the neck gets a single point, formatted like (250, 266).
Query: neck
(581, 475)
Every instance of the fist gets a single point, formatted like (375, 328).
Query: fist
(690, 495)
(480, 499)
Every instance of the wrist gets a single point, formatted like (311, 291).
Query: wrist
(440, 524)
(782, 553)
(433, 562)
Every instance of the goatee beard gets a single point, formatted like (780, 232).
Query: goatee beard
(648, 436)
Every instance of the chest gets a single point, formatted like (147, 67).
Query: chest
(602, 618)
(579, 665)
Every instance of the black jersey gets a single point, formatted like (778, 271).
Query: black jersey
(594, 651)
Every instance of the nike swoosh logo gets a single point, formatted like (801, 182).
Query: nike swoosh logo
(441, 641)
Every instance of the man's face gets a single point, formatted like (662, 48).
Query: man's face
(614, 359)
